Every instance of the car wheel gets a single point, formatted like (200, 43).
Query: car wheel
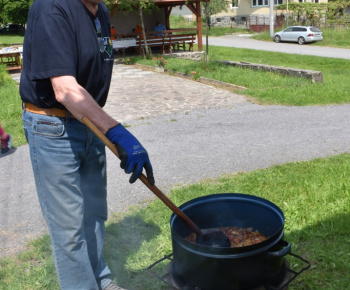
(277, 39)
(301, 40)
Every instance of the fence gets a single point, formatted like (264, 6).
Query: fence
(261, 22)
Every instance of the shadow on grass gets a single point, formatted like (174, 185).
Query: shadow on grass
(326, 245)
(128, 250)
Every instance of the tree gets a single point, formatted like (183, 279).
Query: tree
(211, 8)
(14, 11)
(332, 13)
(214, 7)
(132, 6)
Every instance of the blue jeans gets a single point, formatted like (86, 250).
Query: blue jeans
(69, 165)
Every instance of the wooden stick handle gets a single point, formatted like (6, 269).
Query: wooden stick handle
(144, 179)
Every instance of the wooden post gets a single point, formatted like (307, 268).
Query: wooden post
(195, 7)
(199, 26)
(167, 17)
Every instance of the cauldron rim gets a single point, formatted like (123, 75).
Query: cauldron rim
(240, 197)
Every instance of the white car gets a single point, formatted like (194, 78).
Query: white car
(300, 34)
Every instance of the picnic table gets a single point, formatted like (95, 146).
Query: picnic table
(11, 57)
(123, 43)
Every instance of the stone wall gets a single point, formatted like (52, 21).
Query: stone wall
(229, 21)
(196, 55)
(314, 76)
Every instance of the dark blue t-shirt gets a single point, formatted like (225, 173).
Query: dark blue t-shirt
(62, 39)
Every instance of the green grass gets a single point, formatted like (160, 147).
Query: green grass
(11, 107)
(314, 197)
(8, 40)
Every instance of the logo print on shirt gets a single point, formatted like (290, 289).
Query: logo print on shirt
(108, 47)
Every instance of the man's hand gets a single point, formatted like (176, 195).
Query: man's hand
(132, 154)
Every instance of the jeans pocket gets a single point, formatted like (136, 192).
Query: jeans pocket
(26, 133)
(49, 128)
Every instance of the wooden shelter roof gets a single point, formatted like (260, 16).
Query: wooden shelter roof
(175, 2)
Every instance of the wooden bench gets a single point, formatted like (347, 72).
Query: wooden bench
(181, 40)
(152, 41)
(170, 40)
(12, 60)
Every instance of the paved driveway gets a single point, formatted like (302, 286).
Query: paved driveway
(192, 131)
(244, 41)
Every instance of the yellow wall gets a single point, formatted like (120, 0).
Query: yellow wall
(244, 8)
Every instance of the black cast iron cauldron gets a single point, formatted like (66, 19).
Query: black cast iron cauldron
(230, 268)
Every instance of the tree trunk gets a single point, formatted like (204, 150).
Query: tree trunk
(148, 51)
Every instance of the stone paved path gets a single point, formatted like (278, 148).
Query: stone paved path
(137, 93)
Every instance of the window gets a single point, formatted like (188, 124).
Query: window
(234, 4)
(257, 3)
(315, 1)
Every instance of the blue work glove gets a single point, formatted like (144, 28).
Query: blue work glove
(132, 154)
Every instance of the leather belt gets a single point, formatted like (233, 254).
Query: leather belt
(54, 112)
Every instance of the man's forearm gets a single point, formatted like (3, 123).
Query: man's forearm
(80, 103)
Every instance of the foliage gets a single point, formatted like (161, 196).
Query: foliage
(14, 11)
(195, 75)
(161, 62)
(127, 61)
(211, 8)
(214, 7)
(131, 5)
(327, 14)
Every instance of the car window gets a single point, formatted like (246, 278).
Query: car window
(304, 29)
(315, 29)
(288, 29)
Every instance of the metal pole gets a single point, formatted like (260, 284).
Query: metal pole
(287, 14)
(271, 18)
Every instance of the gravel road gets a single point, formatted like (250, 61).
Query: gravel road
(244, 41)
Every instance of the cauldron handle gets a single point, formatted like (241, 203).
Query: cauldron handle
(296, 274)
(281, 253)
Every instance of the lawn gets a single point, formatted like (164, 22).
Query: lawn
(314, 197)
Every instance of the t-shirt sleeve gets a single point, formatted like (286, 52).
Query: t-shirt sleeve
(54, 49)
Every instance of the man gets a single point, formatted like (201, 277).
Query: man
(113, 33)
(159, 27)
(139, 30)
(6, 141)
(68, 60)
